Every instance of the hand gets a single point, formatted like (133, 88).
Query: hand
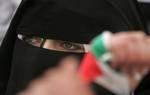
(131, 49)
(131, 54)
(63, 80)
(134, 75)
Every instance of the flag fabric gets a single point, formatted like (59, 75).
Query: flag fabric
(94, 67)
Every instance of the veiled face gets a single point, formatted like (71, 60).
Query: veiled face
(56, 45)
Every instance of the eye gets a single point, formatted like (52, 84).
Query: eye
(51, 44)
(36, 41)
(71, 46)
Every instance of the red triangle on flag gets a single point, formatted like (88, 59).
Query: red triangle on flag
(89, 70)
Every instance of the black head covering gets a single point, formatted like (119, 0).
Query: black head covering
(69, 20)
(145, 7)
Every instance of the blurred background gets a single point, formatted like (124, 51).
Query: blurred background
(7, 10)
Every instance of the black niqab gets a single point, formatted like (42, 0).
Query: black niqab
(69, 20)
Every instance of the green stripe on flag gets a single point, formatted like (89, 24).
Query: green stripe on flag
(98, 46)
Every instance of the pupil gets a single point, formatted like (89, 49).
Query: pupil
(67, 45)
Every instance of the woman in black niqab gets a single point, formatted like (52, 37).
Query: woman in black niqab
(67, 20)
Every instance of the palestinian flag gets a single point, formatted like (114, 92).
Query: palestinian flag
(95, 67)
